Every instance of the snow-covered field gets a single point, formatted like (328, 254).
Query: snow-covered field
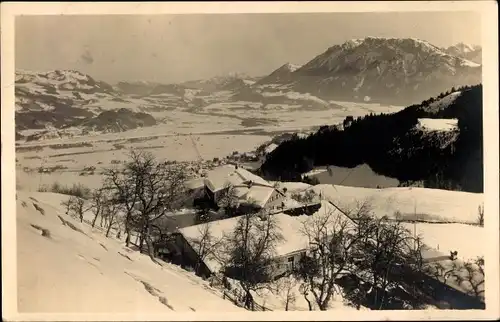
(359, 176)
(105, 154)
(426, 124)
(465, 239)
(83, 271)
(430, 204)
(433, 205)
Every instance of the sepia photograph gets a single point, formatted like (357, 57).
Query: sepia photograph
(242, 162)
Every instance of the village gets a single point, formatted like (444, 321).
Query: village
(289, 221)
(224, 197)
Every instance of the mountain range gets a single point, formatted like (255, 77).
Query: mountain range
(385, 70)
(392, 71)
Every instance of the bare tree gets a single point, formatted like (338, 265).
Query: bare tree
(68, 205)
(471, 273)
(98, 199)
(284, 288)
(120, 183)
(443, 272)
(228, 199)
(148, 189)
(304, 289)
(206, 245)
(386, 248)
(331, 238)
(110, 212)
(77, 207)
(480, 216)
(249, 253)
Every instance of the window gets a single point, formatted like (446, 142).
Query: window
(290, 263)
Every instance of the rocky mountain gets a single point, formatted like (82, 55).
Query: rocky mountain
(389, 70)
(280, 75)
(469, 52)
(437, 142)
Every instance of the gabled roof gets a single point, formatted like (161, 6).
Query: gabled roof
(290, 227)
(247, 185)
(217, 178)
(257, 194)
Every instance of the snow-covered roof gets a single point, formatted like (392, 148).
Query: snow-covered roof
(257, 192)
(217, 178)
(195, 183)
(290, 227)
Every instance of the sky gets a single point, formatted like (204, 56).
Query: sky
(176, 48)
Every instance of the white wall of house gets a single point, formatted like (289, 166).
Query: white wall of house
(287, 262)
(274, 200)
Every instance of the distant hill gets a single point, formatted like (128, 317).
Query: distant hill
(384, 70)
(56, 100)
(437, 142)
(116, 121)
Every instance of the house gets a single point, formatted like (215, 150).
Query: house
(195, 189)
(248, 187)
(295, 245)
(288, 252)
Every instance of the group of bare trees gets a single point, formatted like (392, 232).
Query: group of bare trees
(99, 204)
(246, 253)
(138, 194)
(146, 190)
(370, 261)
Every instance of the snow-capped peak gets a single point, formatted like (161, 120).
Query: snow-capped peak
(291, 67)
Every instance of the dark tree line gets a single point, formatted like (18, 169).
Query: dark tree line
(388, 145)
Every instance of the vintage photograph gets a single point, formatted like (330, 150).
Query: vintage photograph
(249, 162)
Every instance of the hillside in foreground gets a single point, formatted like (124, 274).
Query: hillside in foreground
(74, 269)
(437, 143)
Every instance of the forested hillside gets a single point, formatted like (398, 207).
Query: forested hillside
(396, 145)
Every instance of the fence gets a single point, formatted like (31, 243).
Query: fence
(237, 297)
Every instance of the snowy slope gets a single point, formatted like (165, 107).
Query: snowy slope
(83, 271)
(441, 103)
